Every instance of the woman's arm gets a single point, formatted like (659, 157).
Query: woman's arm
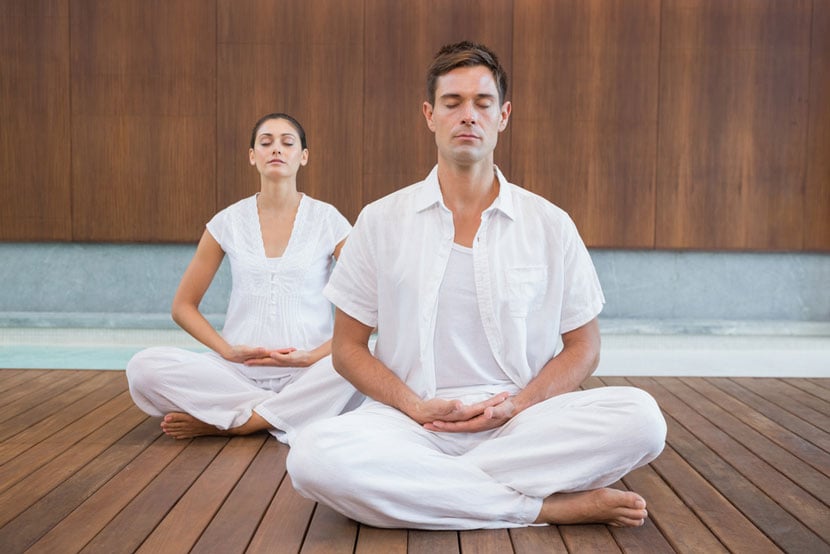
(185, 311)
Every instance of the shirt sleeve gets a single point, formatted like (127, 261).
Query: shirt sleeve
(218, 228)
(353, 284)
(583, 298)
(340, 226)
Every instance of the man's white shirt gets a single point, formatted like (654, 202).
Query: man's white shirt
(534, 279)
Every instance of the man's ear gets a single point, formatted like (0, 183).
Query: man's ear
(506, 108)
(427, 109)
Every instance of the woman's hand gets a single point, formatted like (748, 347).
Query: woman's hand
(241, 353)
(284, 357)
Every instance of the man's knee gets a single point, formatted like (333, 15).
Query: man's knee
(647, 422)
(313, 458)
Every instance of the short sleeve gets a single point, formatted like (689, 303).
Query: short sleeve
(340, 226)
(353, 284)
(218, 227)
(583, 298)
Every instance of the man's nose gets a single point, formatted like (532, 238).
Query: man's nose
(468, 115)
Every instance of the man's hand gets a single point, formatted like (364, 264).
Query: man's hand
(460, 418)
(283, 357)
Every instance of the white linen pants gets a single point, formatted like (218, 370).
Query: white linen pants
(218, 392)
(379, 467)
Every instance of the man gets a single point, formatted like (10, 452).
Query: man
(472, 421)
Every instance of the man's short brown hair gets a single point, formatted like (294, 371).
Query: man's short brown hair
(465, 54)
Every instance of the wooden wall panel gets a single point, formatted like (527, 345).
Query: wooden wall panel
(817, 193)
(733, 116)
(144, 110)
(682, 124)
(34, 121)
(402, 36)
(585, 113)
(305, 59)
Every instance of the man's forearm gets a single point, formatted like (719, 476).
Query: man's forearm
(353, 360)
(371, 377)
(566, 371)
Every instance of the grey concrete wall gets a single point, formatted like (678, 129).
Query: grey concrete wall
(107, 285)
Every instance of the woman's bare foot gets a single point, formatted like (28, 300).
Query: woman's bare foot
(184, 426)
(180, 425)
(610, 506)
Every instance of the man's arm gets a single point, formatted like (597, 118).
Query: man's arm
(576, 362)
(353, 360)
(563, 373)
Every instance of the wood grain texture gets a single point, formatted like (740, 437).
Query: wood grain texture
(733, 119)
(143, 119)
(402, 38)
(114, 487)
(585, 113)
(35, 145)
(817, 188)
(691, 124)
(304, 59)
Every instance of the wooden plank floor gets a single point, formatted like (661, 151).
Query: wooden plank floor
(746, 469)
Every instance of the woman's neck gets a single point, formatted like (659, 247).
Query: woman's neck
(279, 195)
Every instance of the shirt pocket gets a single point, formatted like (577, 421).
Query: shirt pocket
(526, 288)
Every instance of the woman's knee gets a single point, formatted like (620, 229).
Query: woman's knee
(142, 369)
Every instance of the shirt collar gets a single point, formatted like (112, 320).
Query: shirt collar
(430, 194)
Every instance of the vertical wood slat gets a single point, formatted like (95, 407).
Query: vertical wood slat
(585, 113)
(398, 147)
(35, 146)
(302, 58)
(816, 225)
(732, 124)
(143, 119)
(154, 129)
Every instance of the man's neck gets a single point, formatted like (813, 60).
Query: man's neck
(467, 189)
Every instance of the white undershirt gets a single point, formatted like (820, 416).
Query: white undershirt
(462, 354)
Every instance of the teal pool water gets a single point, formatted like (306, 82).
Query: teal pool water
(65, 357)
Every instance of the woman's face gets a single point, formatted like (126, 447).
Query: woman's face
(277, 150)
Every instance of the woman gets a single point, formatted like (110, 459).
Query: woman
(270, 369)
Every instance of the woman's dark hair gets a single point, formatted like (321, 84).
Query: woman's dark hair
(465, 54)
(279, 115)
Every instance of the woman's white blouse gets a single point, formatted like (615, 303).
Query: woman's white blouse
(278, 302)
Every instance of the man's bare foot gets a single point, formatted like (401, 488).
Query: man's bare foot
(184, 426)
(610, 506)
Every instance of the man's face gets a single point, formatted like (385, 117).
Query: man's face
(466, 117)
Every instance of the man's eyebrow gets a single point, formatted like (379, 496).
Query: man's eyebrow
(455, 96)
